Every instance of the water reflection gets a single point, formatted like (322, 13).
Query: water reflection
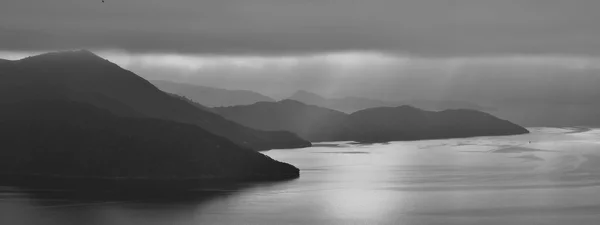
(22, 206)
(551, 176)
(361, 203)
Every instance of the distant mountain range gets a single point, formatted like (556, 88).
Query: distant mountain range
(81, 76)
(353, 104)
(523, 113)
(74, 115)
(378, 124)
(212, 97)
(215, 97)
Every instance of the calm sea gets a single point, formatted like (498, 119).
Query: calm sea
(551, 176)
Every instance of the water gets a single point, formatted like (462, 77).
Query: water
(551, 176)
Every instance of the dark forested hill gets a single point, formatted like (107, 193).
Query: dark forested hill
(75, 140)
(82, 76)
(409, 123)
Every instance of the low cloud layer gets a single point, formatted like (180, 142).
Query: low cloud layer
(557, 79)
(552, 78)
(273, 27)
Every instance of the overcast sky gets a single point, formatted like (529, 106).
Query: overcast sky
(378, 48)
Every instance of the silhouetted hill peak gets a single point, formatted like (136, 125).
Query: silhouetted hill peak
(78, 56)
(84, 77)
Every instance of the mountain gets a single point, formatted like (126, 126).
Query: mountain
(353, 104)
(82, 76)
(380, 124)
(410, 123)
(312, 123)
(69, 140)
(212, 97)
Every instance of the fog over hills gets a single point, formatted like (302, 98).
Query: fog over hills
(310, 122)
(122, 125)
(529, 90)
(536, 61)
(211, 97)
(389, 112)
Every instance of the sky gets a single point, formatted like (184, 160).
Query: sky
(476, 50)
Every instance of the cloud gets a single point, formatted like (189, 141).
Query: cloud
(195, 63)
(429, 28)
(384, 75)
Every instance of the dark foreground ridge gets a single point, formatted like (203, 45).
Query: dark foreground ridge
(380, 124)
(77, 145)
(81, 76)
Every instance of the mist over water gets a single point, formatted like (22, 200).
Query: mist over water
(551, 176)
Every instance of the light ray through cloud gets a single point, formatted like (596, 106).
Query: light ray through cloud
(363, 73)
